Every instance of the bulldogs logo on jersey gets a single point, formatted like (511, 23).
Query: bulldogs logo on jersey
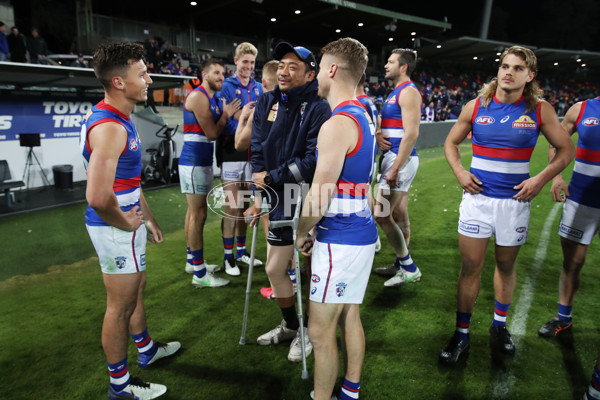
(391, 100)
(591, 121)
(484, 120)
(340, 289)
(133, 146)
(524, 122)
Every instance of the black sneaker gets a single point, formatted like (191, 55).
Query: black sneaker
(554, 327)
(455, 347)
(501, 340)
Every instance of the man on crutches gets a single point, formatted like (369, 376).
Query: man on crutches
(337, 204)
(282, 153)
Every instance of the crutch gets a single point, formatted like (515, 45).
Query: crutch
(293, 223)
(249, 219)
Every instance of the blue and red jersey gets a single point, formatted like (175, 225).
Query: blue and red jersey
(584, 187)
(129, 168)
(391, 118)
(233, 89)
(197, 148)
(370, 106)
(348, 219)
(504, 136)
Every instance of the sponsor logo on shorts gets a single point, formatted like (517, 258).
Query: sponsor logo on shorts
(521, 238)
(120, 262)
(143, 260)
(591, 121)
(313, 290)
(567, 230)
(133, 146)
(524, 122)
(521, 229)
(315, 278)
(485, 120)
(340, 289)
(469, 228)
(503, 120)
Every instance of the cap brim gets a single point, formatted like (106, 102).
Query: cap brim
(284, 48)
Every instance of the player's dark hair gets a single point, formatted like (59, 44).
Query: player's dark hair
(115, 58)
(408, 57)
(209, 62)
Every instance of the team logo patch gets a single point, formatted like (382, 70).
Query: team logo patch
(273, 113)
(521, 229)
(238, 92)
(503, 120)
(591, 121)
(470, 228)
(143, 260)
(484, 120)
(133, 146)
(315, 278)
(340, 289)
(524, 122)
(567, 230)
(120, 261)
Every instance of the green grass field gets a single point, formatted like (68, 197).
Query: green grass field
(53, 303)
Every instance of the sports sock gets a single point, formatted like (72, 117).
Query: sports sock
(500, 312)
(241, 246)
(290, 317)
(349, 390)
(228, 247)
(564, 312)
(406, 263)
(198, 263)
(463, 321)
(189, 255)
(144, 343)
(119, 375)
(593, 392)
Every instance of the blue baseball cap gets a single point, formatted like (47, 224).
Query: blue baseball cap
(282, 48)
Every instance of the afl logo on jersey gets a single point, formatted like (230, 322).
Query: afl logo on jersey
(524, 122)
(591, 121)
(485, 120)
(133, 146)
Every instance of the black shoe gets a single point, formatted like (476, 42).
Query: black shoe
(554, 327)
(455, 347)
(501, 340)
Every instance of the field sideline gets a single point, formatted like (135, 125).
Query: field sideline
(53, 302)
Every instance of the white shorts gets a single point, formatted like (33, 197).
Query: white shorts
(579, 223)
(119, 252)
(405, 176)
(195, 179)
(340, 272)
(236, 171)
(506, 219)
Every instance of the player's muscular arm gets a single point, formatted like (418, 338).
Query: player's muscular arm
(244, 128)
(560, 189)
(458, 133)
(107, 141)
(410, 104)
(565, 151)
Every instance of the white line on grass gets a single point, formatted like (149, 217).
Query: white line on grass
(504, 382)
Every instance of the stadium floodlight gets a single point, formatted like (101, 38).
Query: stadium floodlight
(360, 24)
(297, 12)
(338, 30)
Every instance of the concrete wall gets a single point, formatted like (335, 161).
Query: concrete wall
(432, 134)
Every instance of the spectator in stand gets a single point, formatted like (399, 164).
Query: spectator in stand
(80, 62)
(3, 43)
(17, 45)
(37, 47)
(429, 115)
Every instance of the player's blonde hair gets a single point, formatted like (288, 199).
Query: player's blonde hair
(353, 54)
(532, 91)
(269, 72)
(245, 48)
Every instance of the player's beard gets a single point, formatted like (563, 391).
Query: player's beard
(215, 86)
